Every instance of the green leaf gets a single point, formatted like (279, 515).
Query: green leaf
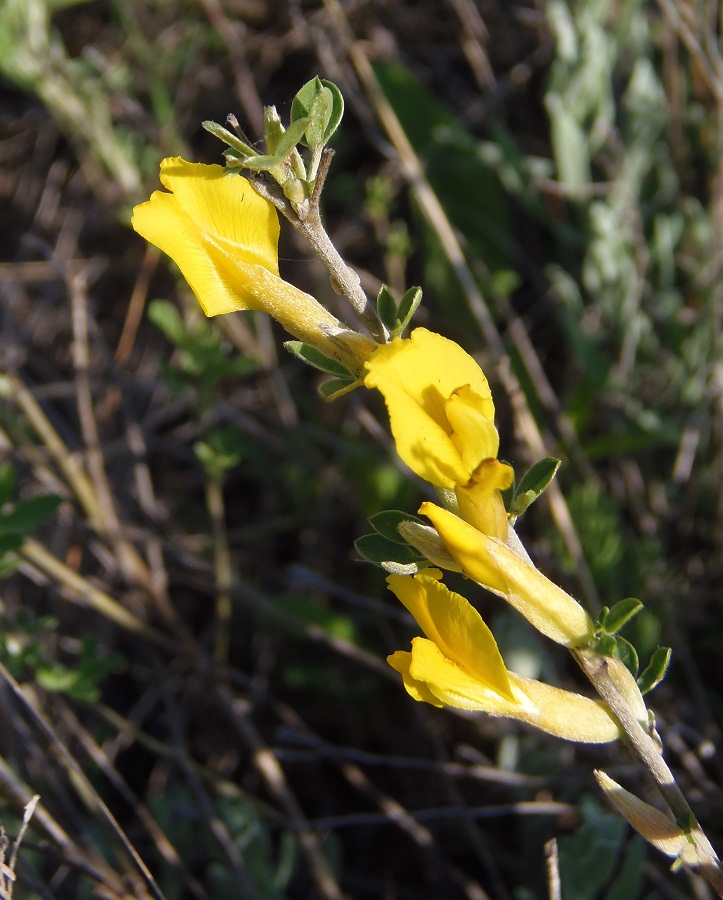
(622, 612)
(627, 654)
(7, 483)
(605, 645)
(290, 138)
(538, 477)
(329, 112)
(655, 671)
(376, 549)
(313, 357)
(387, 308)
(337, 387)
(408, 305)
(508, 497)
(262, 163)
(223, 134)
(28, 514)
(319, 118)
(386, 523)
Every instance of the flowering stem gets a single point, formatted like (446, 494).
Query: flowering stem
(649, 754)
(343, 278)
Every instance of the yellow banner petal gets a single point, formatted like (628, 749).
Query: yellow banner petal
(417, 376)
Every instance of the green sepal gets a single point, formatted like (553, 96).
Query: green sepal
(313, 357)
(408, 305)
(338, 387)
(378, 550)
(627, 654)
(223, 134)
(387, 308)
(612, 620)
(386, 524)
(28, 514)
(655, 671)
(533, 483)
(322, 102)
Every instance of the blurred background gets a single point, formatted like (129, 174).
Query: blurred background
(193, 653)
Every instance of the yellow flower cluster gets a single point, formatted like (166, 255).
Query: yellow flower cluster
(224, 237)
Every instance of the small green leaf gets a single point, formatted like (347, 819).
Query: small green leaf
(223, 134)
(290, 138)
(313, 357)
(508, 497)
(408, 305)
(655, 671)
(319, 117)
(622, 612)
(386, 523)
(337, 387)
(378, 550)
(28, 514)
(262, 163)
(604, 644)
(538, 477)
(387, 308)
(7, 483)
(627, 654)
(329, 112)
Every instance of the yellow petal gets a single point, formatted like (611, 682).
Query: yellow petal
(400, 662)
(473, 431)
(210, 210)
(430, 677)
(456, 627)
(417, 376)
(225, 207)
(495, 566)
(480, 502)
(454, 686)
(465, 544)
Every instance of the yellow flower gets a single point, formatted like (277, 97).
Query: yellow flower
(458, 664)
(224, 238)
(440, 406)
(490, 562)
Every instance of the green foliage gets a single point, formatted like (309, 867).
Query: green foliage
(655, 671)
(266, 869)
(221, 452)
(386, 548)
(26, 649)
(19, 518)
(396, 316)
(204, 358)
(612, 620)
(599, 861)
(532, 485)
(320, 104)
